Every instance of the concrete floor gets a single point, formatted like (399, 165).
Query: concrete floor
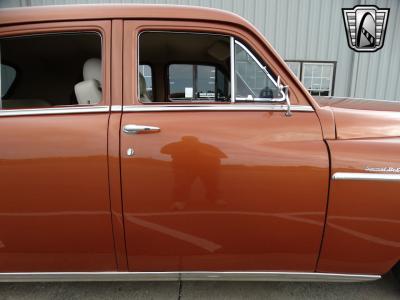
(387, 288)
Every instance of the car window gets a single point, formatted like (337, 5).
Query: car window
(253, 81)
(51, 70)
(196, 67)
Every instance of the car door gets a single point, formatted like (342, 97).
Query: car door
(210, 180)
(54, 204)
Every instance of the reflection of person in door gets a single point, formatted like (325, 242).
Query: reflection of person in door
(192, 159)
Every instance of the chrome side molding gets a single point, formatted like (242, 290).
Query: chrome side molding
(151, 108)
(365, 176)
(54, 111)
(116, 108)
(216, 107)
(190, 276)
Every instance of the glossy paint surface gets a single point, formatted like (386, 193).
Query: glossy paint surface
(358, 104)
(358, 124)
(55, 198)
(363, 224)
(113, 146)
(55, 209)
(224, 191)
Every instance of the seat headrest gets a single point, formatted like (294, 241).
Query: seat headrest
(92, 69)
(142, 89)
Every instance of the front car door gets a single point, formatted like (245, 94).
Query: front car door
(215, 176)
(54, 204)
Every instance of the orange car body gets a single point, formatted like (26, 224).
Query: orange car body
(256, 190)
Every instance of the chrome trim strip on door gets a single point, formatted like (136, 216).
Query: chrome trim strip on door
(54, 111)
(174, 276)
(116, 108)
(216, 107)
(365, 176)
(151, 108)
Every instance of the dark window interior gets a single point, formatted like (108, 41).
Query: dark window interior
(47, 68)
(186, 67)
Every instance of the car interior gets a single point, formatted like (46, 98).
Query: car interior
(51, 70)
(177, 67)
(196, 67)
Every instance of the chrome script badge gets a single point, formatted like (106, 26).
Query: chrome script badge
(366, 27)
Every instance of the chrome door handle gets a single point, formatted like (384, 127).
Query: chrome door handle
(134, 129)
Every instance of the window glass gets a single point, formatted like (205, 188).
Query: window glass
(222, 86)
(196, 66)
(181, 82)
(318, 77)
(193, 82)
(253, 83)
(51, 70)
(205, 84)
(146, 84)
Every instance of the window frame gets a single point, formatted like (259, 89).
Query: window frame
(56, 34)
(262, 67)
(233, 41)
(100, 27)
(324, 62)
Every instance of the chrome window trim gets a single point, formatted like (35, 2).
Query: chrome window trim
(233, 71)
(54, 111)
(175, 276)
(365, 176)
(116, 108)
(257, 61)
(215, 107)
(264, 68)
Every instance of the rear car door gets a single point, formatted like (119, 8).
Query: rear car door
(215, 175)
(55, 96)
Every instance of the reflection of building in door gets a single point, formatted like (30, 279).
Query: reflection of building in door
(192, 159)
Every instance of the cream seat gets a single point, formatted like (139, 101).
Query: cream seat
(144, 97)
(88, 91)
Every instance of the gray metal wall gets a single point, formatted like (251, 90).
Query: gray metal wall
(310, 30)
